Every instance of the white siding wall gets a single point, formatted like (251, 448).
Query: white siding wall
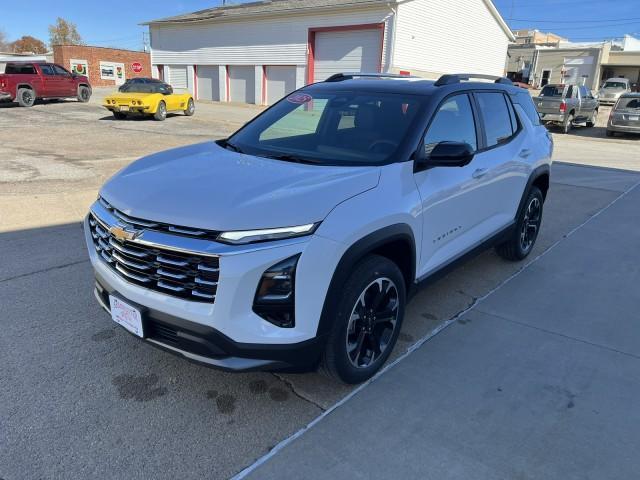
(270, 41)
(444, 36)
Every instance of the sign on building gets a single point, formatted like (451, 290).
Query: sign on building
(81, 67)
(113, 71)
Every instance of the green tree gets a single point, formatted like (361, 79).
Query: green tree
(28, 44)
(64, 33)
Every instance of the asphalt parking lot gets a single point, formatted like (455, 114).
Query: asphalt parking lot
(81, 398)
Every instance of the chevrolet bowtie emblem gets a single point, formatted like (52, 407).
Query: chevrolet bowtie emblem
(123, 234)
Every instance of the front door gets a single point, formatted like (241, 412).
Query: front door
(65, 81)
(454, 210)
(50, 82)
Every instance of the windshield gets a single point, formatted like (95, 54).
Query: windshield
(138, 87)
(331, 128)
(628, 104)
(552, 91)
(615, 85)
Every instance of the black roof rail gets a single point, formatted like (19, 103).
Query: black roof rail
(459, 77)
(339, 77)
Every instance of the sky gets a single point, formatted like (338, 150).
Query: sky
(115, 23)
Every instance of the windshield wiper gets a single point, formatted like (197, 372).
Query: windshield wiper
(230, 146)
(285, 157)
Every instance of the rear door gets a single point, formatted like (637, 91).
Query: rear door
(501, 165)
(66, 83)
(50, 82)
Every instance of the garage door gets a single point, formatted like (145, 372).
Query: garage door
(350, 51)
(280, 82)
(242, 84)
(209, 82)
(178, 76)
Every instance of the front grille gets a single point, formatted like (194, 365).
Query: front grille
(187, 276)
(158, 226)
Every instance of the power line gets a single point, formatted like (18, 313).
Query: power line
(574, 21)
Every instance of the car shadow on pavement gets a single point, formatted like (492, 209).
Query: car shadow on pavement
(137, 117)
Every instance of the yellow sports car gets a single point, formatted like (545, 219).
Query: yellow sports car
(148, 96)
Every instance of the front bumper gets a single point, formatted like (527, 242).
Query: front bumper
(552, 117)
(623, 129)
(206, 346)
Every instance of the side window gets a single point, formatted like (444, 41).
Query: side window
(526, 102)
(61, 71)
(496, 116)
(453, 122)
(47, 70)
(569, 91)
(512, 113)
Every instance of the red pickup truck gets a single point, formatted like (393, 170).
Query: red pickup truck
(24, 82)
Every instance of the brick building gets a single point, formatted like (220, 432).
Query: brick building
(105, 67)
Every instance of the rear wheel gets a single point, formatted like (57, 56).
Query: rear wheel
(84, 94)
(524, 237)
(26, 97)
(369, 317)
(568, 124)
(593, 120)
(191, 108)
(161, 113)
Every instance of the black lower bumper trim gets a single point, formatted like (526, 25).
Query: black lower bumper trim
(205, 345)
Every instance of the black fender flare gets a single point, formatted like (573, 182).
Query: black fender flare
(535, 175)
(351, 257)
(27, 85)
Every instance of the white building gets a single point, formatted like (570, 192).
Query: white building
(258, 52)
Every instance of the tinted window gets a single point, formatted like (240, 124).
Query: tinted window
(453, 122)
(47, 70)
(332, 127)
(628, 104)
(60, 71)
(496, 116)
(26, 69)
(552, 91)
(570, 91)
(525, 101)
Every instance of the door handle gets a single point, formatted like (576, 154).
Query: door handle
(480, 172)
(525, 153)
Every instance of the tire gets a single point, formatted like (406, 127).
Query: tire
(84, 94)
(26, 97)
(360, 341)
(191, 108)
(119, 115)
(611, 133)
(161, 113)
(568, 124)
(593, 120)
(524, 236)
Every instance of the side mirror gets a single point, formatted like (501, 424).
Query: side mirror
(446, 154)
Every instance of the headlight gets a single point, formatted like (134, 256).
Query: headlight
(268, 234)
(274, 300)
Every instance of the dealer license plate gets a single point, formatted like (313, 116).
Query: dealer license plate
(124, 108)
(634, 118)
(127, 316)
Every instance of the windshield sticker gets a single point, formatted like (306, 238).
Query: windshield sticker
(299, 98)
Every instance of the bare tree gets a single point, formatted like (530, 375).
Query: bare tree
(64, 33)
(3, 42)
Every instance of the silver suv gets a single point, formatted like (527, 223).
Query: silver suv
(613, 89)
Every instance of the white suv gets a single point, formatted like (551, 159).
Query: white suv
(295, 241)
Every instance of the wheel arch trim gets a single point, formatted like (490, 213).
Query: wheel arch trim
(356, 252)
(535, 175)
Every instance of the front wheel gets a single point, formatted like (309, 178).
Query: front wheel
(84, 94)
(161, 113)
(524, 236)
(369, 317)
(191, 108)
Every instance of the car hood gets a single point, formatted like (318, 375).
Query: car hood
(208, 187)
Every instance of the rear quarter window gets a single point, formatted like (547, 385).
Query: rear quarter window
(526, 102)
(26, 69)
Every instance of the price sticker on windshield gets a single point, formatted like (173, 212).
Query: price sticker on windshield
(299, 98)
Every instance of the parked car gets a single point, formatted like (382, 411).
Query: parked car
(566, 105)
(148, 97)
(613, 89)
(296, 240)
(26, 82)
(127, 83)
(625, 115)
